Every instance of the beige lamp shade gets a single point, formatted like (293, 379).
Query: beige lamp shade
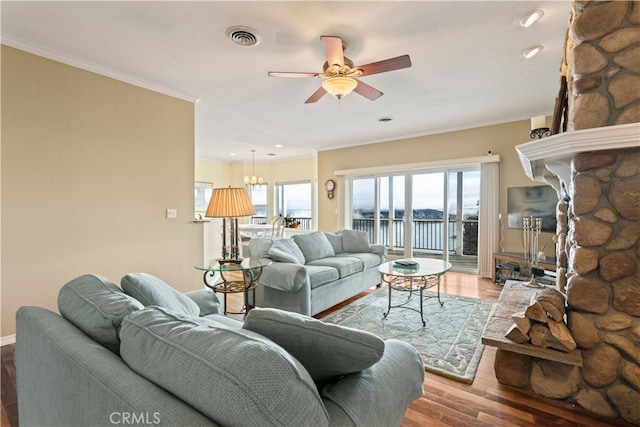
(229, 203)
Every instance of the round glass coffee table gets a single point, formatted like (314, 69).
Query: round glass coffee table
(237, 276)
(424, 274)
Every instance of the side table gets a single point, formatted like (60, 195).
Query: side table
(237, 276)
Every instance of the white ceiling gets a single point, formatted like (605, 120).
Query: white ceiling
(467, 69)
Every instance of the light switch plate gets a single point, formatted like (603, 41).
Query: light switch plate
(172, 213)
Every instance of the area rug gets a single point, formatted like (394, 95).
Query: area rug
(450, 343)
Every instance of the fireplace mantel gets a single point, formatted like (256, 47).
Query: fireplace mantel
(549, 159)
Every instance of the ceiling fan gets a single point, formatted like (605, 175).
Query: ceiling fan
(340, 73)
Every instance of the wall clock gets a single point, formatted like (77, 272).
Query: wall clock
(330, 185)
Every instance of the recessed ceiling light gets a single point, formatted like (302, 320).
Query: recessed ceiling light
(278, 145)
(532, 51)
(529, 18)
(385, 119)
(232, 154)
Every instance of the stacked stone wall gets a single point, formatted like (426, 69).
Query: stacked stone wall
(603, 286)
(603, 58)
(601, 245)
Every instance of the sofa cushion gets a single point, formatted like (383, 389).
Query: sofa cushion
(325, 350)
(150, 290)
(355, 241)
(96, 306)
(336, 242)
(314, 245)
(259, 247)
(346, 265)
(321, 275)
(368, 259)
(233, 376)
(285, 250)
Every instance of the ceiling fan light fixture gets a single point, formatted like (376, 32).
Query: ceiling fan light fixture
(339, 86)
(532, 51)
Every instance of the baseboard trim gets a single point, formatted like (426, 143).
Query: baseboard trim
(9, 339)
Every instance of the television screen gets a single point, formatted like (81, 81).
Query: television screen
(538, 202)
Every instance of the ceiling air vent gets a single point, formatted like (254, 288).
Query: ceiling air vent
(243, 36)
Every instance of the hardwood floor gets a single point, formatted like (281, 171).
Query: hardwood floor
(9, 415)
(446, 402)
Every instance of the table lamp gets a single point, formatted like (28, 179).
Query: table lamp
(229, 204)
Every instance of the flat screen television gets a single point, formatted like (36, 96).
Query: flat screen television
(539, 202)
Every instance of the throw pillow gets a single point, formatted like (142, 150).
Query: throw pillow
(314, 245)
(355, 241)
(259, 247)
(150, 290)
(336, 241)
(233, 376)
(325, 350)
(285, 250)
(207, 300)
(96, 306)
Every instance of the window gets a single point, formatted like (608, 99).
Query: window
(294, 201)
(259, 200)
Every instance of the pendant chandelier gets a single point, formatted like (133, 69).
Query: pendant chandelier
(253, 181)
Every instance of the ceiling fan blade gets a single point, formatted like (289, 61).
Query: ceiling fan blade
(367, 91)
(391, 64)
(316, 95)
(292, 74)
(333, 48)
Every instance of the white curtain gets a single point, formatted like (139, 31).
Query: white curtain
(488, 222)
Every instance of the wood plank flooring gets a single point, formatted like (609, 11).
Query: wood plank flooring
(485, 403)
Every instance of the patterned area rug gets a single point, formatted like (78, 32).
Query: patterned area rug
(450, 343)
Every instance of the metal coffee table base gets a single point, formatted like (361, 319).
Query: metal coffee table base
(412, 285)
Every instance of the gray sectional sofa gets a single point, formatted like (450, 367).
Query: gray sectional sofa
(313, 272)
(145, 354)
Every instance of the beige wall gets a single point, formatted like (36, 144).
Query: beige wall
(89, 165)
(217, 173)
(500, 139)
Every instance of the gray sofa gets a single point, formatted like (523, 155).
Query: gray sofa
(149, 355)
(313, 272)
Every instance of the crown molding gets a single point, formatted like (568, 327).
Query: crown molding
(94, 68)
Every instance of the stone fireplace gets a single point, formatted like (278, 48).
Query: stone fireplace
(595, 168)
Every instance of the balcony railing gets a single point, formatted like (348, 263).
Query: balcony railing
(427, 234)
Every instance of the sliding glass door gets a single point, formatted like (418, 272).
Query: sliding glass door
(428, 214)
(421, 214)
(378, 207)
